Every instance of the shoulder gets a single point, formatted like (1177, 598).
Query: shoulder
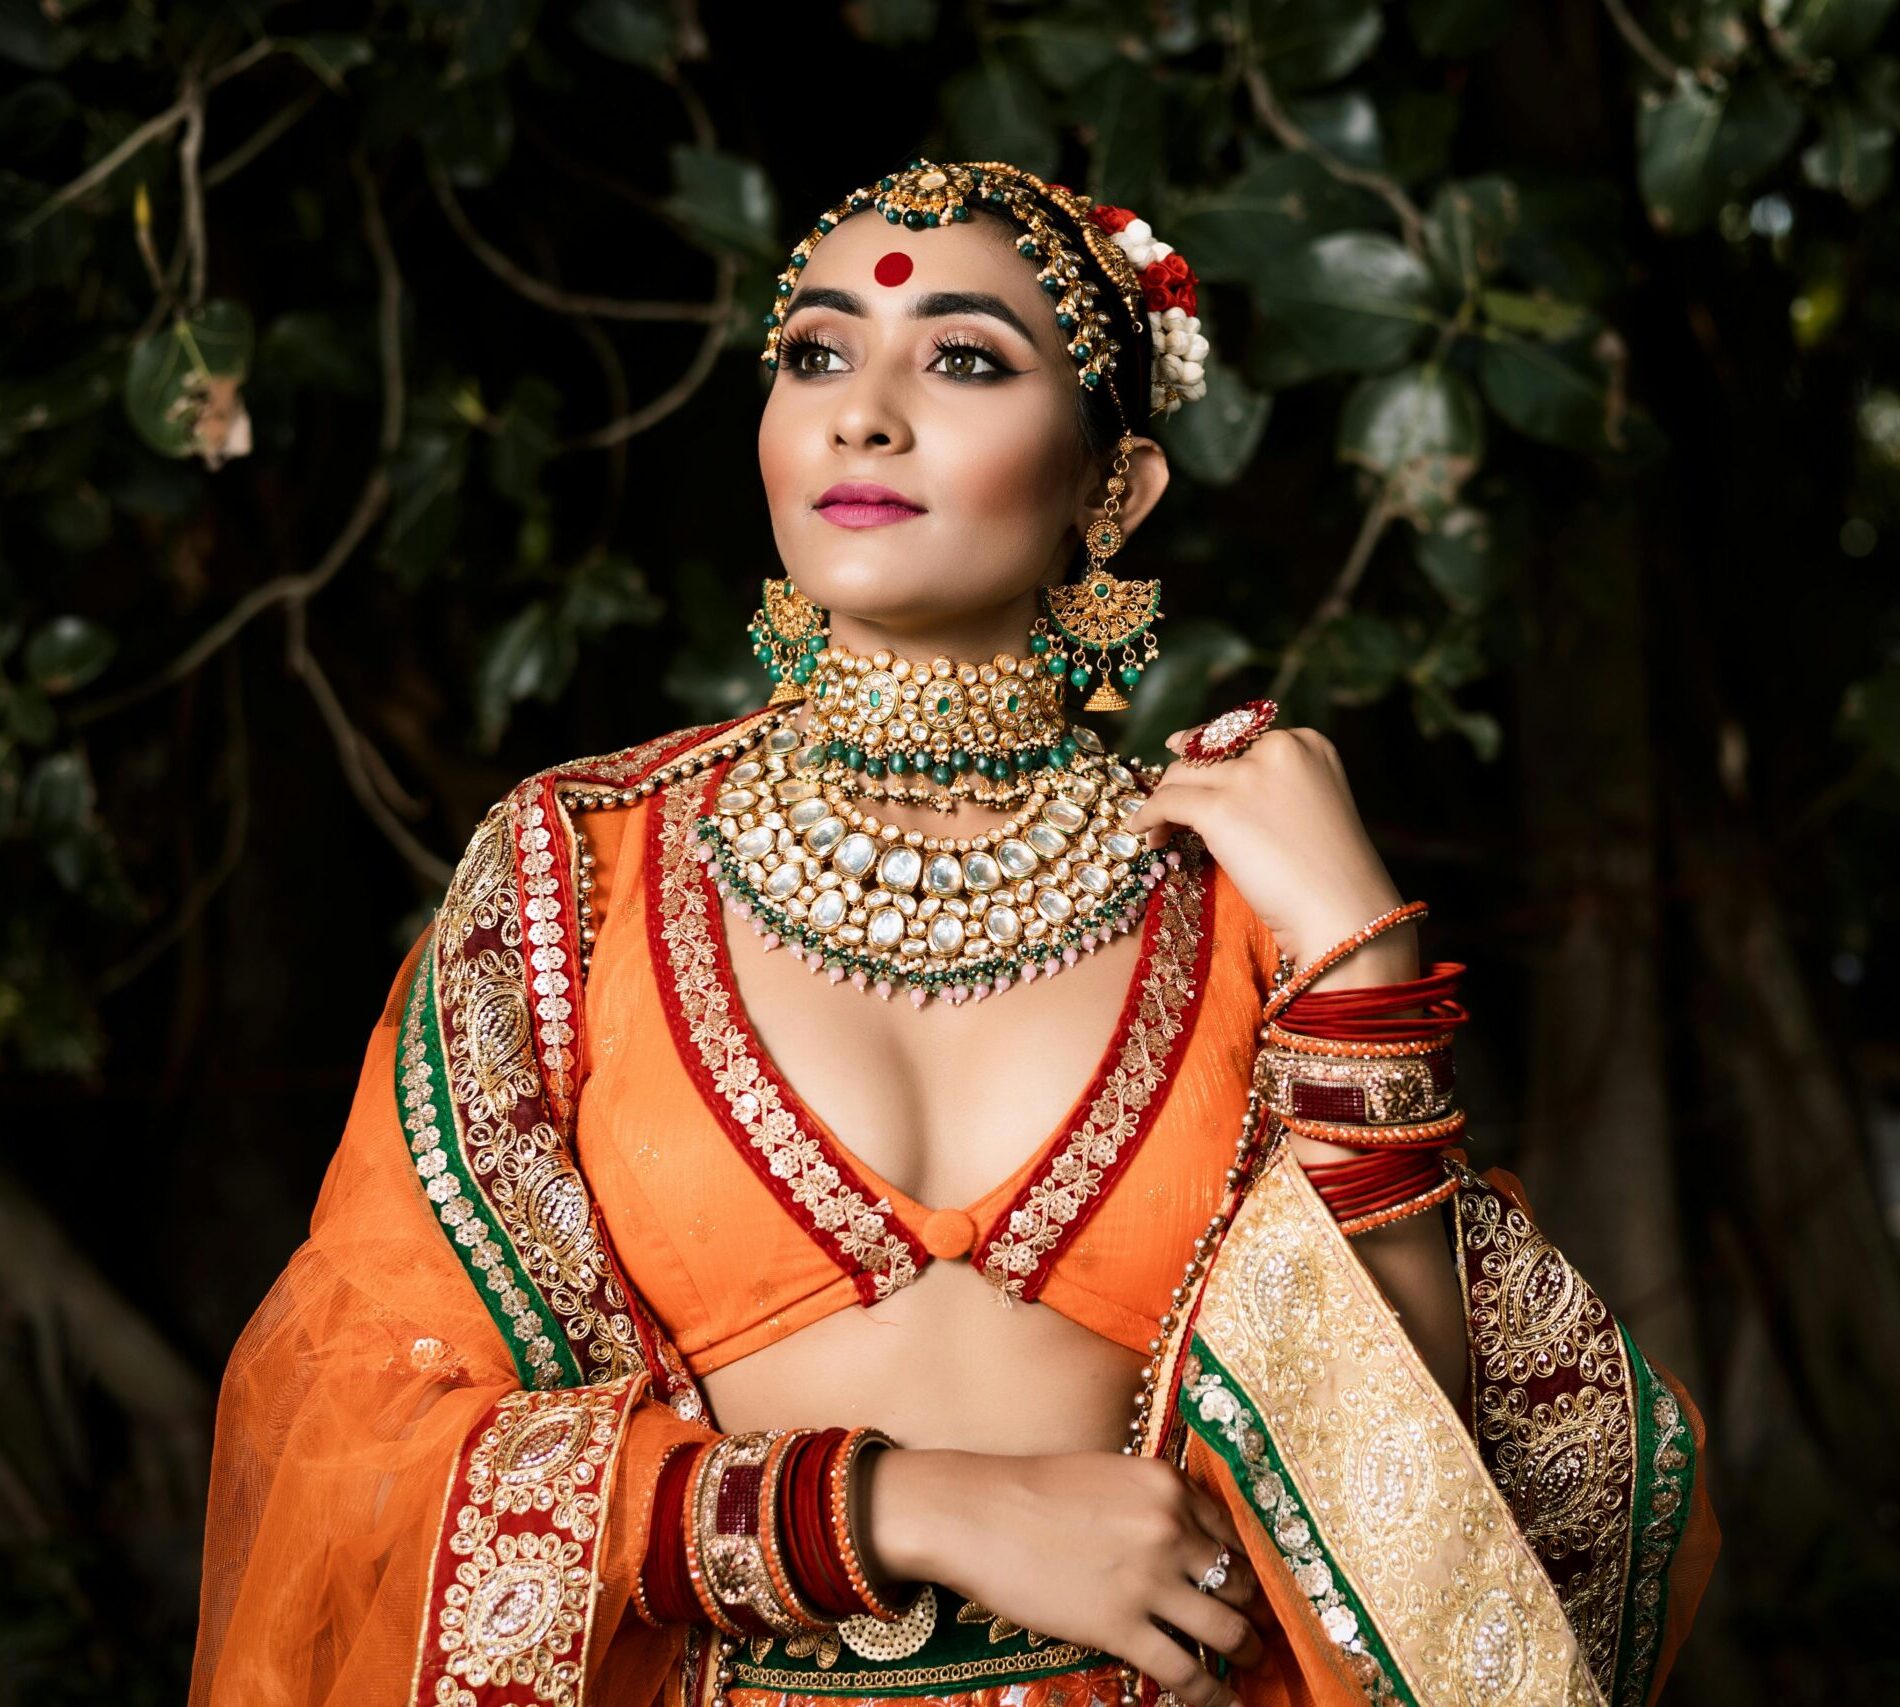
(530, 830)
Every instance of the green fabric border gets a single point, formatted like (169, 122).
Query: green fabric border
(1631, 1685)
(1217, 1436)
(1013, 1659)
(448, 1123)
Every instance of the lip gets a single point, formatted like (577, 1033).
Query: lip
(865, 504)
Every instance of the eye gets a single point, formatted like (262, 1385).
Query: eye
(962, 356)
(794, 349)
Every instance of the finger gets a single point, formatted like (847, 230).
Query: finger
(1238, 1587)
(1223, 1629)
(1214, 1517)
(1176, 741)
(1177, 1670)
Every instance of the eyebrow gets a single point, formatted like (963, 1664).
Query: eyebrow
(933, 305)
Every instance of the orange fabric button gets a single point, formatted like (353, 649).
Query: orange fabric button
(948, 1233)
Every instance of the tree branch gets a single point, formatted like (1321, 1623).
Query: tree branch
(675, 395)
(1640, 43)
(543, 294)
(261, 138)
(1338, 596)
(352, 746)
(1267, 109)
(153, 128)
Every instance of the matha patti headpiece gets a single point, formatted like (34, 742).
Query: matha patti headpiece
(1155, 285)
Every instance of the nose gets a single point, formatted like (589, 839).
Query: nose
(868, 414)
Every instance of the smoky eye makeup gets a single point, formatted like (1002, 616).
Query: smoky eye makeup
(955, 356)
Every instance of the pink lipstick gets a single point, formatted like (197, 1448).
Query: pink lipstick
(865, 504)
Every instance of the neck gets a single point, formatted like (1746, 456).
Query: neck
(974, 635)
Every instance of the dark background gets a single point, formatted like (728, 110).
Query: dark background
(1549, 464)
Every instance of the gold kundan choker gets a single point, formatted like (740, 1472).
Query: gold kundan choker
(900, 728)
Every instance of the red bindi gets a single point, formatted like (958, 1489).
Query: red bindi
(892, 269)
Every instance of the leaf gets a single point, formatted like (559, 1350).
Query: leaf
(532, 656)
(608, 593)
(1854, 155)
(1536, 316)
(66, 653)
(1345, 123)
(1419, 125)
(1352, 302)
(59, 807)
(1214, 439)
(1457, 29)
(181, 384)
(1279, 202)
(1458, 556)
(1362, 656)
(636, 32)
(1436, 713)
(1196, 655)
(32, 117)
(726, 201)
(1870, 716)
(892, 23)
(1067, 51)
(1565, 396)
(1468, 227)
(1809, 30)
(1421, 430)
(469, 129)
(331, 56)
(60, 397)
(1697, 149)
(523, 439)
(1304, 43)
(996, 111)
(1120, 115)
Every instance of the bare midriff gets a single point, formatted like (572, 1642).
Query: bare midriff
(945, 1106)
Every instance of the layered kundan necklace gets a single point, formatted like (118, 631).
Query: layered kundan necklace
(957, 917)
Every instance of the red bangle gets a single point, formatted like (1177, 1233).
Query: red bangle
(1381, 1010)
(667, 1593)
(805, 1527)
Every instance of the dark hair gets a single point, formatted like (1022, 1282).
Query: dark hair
(1098, 417)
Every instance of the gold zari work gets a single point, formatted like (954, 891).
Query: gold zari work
(521, 1599)
(1565, 1465)
(1379, 1459)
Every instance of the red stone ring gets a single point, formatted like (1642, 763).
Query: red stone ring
(1230, 733)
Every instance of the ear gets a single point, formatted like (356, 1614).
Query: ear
(1147, 479)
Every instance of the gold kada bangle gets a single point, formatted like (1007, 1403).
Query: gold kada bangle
(847, 1544)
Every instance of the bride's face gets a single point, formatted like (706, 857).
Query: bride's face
(928, 363)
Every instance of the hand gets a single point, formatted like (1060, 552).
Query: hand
(1280, 818)
(1088, 1547)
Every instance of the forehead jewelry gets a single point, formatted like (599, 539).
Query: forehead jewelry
(1153, 286)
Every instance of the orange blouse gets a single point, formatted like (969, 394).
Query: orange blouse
(739, 1215)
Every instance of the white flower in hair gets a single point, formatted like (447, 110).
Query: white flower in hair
(1180, 352)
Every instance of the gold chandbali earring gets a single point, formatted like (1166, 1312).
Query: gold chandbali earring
(788, 631)
(1101, 626)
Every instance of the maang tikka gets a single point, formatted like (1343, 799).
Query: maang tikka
(1101, 627)
(787, 631)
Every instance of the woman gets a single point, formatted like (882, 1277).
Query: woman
(679, 1317)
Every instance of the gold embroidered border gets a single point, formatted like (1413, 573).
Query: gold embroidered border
(862, 1231)
(1655, 1543)
(1396, 1488)
(516, 1576)
(1115, 1115)
(1552, 1411)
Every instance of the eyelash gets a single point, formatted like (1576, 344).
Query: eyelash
(794, 345)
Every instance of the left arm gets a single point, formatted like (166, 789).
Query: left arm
(1280, 818)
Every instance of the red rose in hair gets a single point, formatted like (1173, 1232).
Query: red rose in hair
(1110, 218)
(1169, 283)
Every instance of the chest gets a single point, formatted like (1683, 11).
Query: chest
(944, 1102)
